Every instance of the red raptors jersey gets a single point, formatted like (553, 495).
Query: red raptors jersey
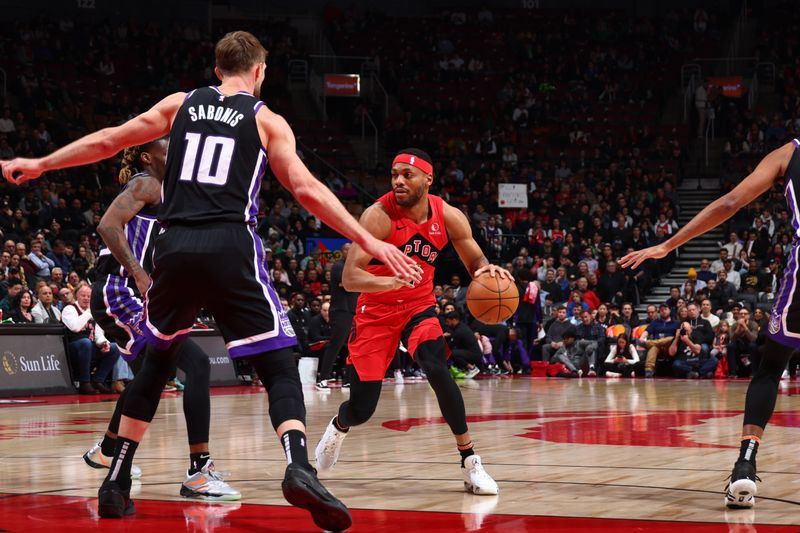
(424, 242)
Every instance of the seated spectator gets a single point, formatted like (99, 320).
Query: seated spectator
(623, 359)
(690, 359)
(576, 301)
(722, 340)
(627, 317)
(554, 332)
(587, 294)
(319, 329)
(14, 287)
(742, 350)
(21, 308)
(591, 338)
(84, 353)
(513, 355)
(724, 293)
(45, 311)
(42, 263)
(551, 286)
(571, 355)
(611, 285)
(754, 284)
(65, 297)
(707, 314)
(467, 354)
(59, 257)
(705, 273)
(299, 319)
(487, 350)
(703, 330)
(603, 317)
(651, 314)
(658, 337)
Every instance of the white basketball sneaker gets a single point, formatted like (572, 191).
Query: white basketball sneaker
(328, 447)
(96, 459)
(208, 485)
(476, 479)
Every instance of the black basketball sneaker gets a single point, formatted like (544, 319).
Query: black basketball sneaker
(113, 502)
(302, 489)
(740, 493)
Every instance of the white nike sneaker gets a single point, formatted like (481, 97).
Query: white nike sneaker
(208, 485)
(96, 459)
(476, 479)
(328, 447)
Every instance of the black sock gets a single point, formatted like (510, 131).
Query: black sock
(197, 461)
(108, 445)
(294, 443)
(465, 450)
(748, 449)
(338, 426)
(120, 470)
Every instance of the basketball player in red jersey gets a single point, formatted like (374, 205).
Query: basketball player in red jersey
(394, 308)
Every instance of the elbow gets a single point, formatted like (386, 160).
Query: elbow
(348, 284)
(731, 203)
(103, 229)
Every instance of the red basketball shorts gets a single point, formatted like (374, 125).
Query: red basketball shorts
(378, 329)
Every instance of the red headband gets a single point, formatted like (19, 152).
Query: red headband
(414, 161)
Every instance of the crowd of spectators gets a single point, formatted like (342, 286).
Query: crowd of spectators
(520, 109)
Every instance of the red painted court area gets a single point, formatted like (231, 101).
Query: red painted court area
(39, 513)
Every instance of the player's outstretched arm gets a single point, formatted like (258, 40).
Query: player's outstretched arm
(102, 144)
(471, 255)
(355, 277)
(317, 198)
(142, 191)
(720, 210)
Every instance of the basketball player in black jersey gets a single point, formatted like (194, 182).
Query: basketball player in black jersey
(783, 331)
(219, 140)
(122, 276)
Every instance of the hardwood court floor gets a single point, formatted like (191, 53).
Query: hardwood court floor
(569, 455)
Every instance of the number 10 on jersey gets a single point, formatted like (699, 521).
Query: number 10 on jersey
(215, 159)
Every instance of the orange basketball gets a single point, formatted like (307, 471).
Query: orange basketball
(492, 299)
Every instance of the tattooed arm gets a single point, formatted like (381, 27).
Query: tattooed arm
(142, 191)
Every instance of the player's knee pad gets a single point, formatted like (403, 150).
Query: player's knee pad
(364, 396)
(278, 372)
(145, 391)
(358, 413)
(194, 362)
(774, 358)
(431, 359)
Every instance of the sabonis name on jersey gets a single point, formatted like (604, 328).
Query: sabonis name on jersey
(218, 113)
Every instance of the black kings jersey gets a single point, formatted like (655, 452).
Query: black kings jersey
(215, 160)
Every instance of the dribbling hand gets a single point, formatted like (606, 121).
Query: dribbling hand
(493, 271)
(20, 170)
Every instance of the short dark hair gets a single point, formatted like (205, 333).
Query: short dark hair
(569, 333)
(452, 315)
(238, 51)
(422, 154)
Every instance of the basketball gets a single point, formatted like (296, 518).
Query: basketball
(492, 299)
